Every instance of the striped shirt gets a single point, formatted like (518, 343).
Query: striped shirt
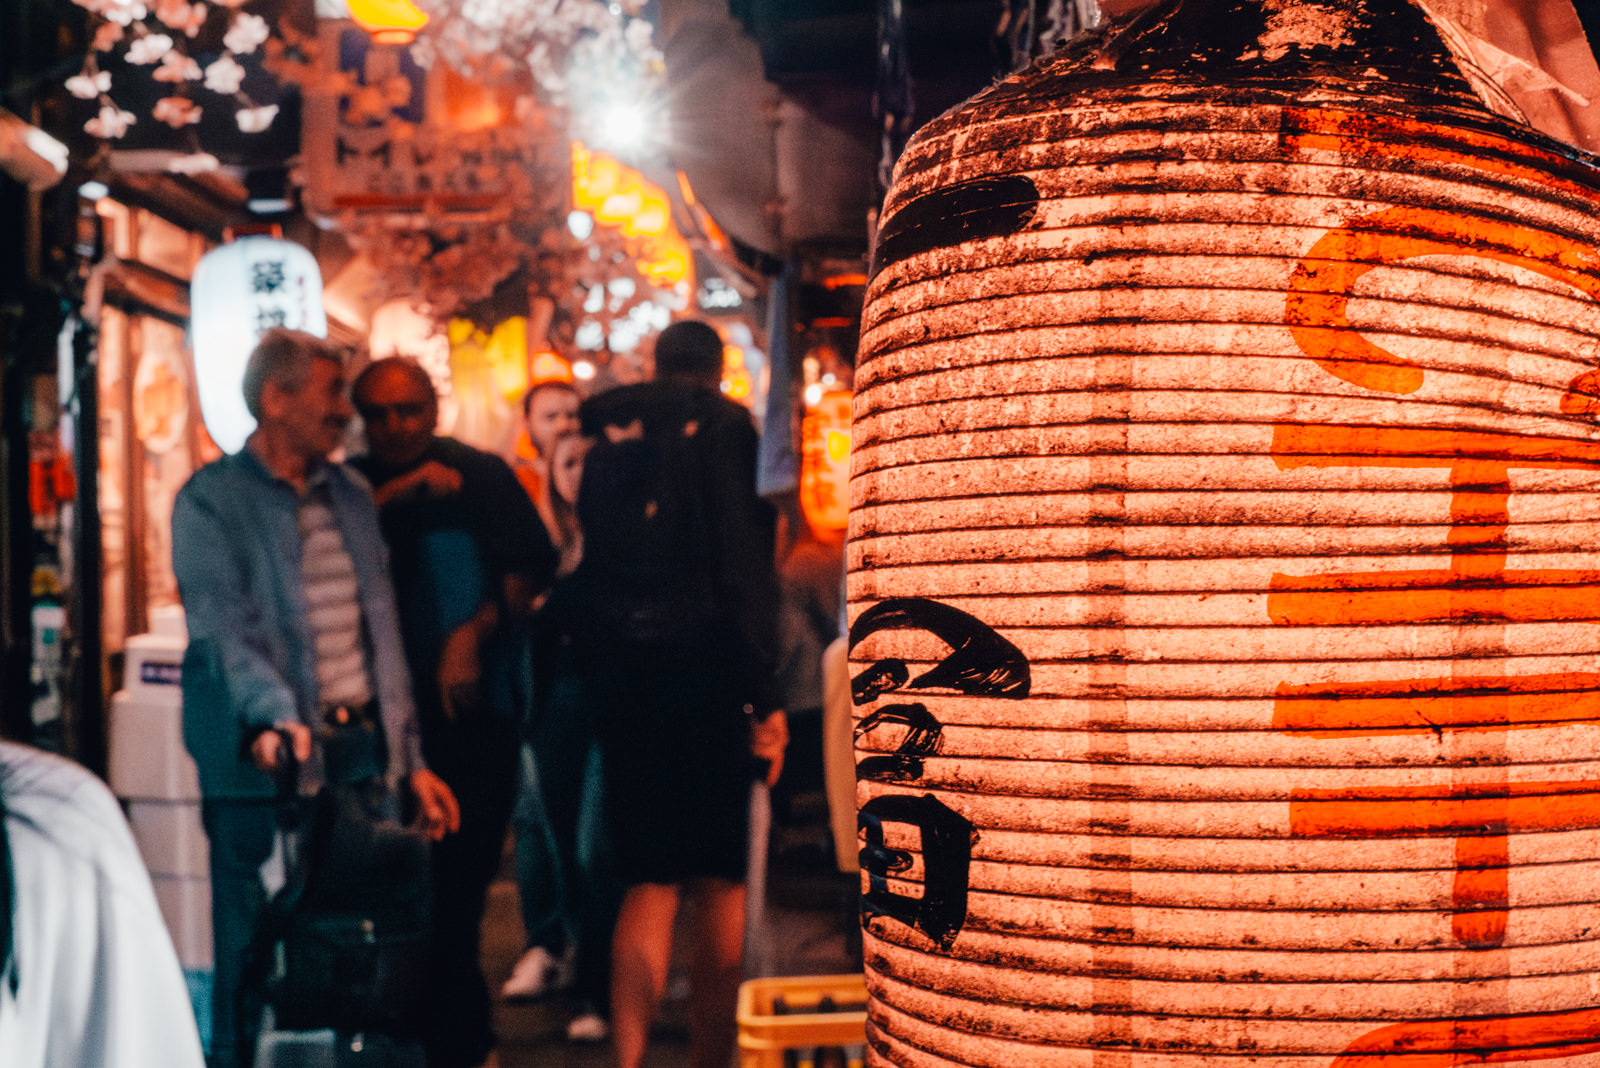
(328, 576)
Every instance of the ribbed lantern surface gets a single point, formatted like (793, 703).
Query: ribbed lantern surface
(1225, 561)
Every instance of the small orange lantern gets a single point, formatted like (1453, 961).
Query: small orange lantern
(390, 22)
(825, 462)
(549, 366)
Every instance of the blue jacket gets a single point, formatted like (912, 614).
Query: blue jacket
(250, 662)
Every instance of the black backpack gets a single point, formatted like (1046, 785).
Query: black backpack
(649, 570)
(642, 506)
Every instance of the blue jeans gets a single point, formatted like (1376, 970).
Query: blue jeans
(241, 836)
(565, 868)
(540, 886)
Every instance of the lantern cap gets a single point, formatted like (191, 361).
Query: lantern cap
(1380, 54)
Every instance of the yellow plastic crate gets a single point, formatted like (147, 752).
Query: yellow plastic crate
(766, 1034)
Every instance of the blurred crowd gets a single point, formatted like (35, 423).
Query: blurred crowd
(600, 648)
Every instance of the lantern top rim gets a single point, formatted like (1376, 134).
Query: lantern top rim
(1379, 56)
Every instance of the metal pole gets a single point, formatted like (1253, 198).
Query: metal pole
(88, 697)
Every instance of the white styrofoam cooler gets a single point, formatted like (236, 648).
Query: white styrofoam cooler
(171, 838)
(185, 902)
(148, 761)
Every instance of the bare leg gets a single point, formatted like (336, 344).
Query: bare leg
(641, 952)
(715, 971)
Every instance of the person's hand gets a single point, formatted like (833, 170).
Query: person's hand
(265, 749)
(461, 666)
(438, 814)
(769, 738)
(432, 479)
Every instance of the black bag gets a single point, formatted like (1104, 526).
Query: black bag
(344, 943)
(642, 506)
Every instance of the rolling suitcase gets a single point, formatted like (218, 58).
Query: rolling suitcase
(341, 956)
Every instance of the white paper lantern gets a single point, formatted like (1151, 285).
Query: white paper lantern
(1224, 512)
(240, 291)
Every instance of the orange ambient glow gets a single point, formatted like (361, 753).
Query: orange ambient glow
(390, 22)
(549, 367)
(825, 462)
(622, 199)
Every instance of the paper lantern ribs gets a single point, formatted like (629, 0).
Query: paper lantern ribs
(1224, 499)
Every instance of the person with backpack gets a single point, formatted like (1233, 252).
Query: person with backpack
(672, 618)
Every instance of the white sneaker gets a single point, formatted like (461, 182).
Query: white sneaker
(588, 1027)
(538, 972)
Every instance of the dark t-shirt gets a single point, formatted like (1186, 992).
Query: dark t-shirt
(451, 554)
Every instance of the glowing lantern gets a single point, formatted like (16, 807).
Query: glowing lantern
(549, 367)
(391, 22)
(622, 199)
(240, 290)
(1222, 541)
(825, 462)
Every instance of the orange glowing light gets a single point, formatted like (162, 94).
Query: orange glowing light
(825, 462)
(391, 22)
(622, 199)
(550, 367)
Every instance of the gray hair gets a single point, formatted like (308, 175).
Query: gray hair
(283, 357)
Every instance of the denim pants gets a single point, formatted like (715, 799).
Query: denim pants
(565, 870)
(241, 836)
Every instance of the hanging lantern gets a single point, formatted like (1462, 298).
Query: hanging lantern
(1224, 504)
(388, 22)
(240, 291)
(549, 367)
(825, 462)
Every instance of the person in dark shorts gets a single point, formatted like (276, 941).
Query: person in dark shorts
(672, 618)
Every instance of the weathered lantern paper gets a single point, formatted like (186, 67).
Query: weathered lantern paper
(1223, 587)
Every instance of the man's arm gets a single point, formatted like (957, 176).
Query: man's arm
(220, 614)
(745, 528)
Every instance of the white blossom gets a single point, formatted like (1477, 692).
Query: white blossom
(149, 48)
(111, 122)
(423, 52)
(254, 120)
(638, 36)
(108, 34)
(246, 34)
(224, 76)
(87, 86)
(181, 15)
(123, 14)
(177, 67)
(176, 111)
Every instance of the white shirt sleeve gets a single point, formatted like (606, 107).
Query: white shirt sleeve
(97, 981)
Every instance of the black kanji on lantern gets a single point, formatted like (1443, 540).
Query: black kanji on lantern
(266, 276)
(267, 318)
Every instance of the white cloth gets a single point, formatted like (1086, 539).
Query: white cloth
(98, 982)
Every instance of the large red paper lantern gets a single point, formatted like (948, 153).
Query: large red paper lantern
(1223, 585)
